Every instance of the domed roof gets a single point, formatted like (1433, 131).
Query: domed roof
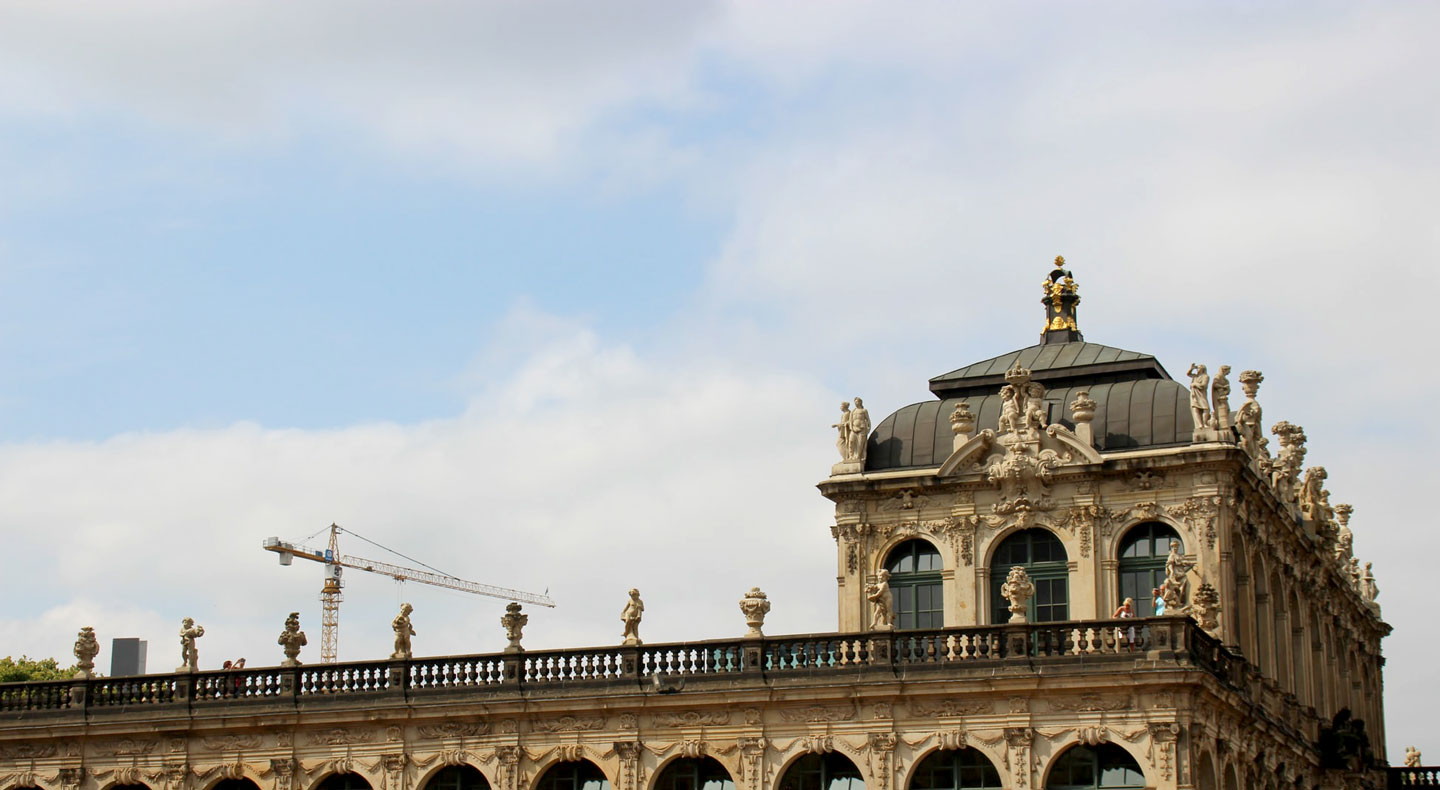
(1137, 403)
(1131, 413)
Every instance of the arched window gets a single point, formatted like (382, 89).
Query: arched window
(687, 773)
(577, 775)
(957, 769)
(1103, 767)
(345, 781)
(1142, 563)
(458, 777)
(1043, 557)
(830, 771)
(915, 587)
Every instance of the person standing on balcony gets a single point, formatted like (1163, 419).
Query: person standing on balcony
(1159, 603)
(1125, 612)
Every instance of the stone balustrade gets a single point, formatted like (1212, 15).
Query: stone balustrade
(1177, 639)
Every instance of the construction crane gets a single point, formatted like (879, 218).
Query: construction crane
(330, 595)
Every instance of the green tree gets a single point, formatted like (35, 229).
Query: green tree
(26, 668)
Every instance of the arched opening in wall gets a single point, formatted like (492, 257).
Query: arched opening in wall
(1243, 595)
(1298, 672)
(345, 781)
(830, 771)
(1043, 557)
(1103, 767)
(1262, 615)
(1205, 774)
(574, 775)
(1232, 782)
(1142, 555)
(915, 587)
(234, 784)
(1317, 664)
(955, 769)
(686, 773)
(1280, 622)
(458, 777)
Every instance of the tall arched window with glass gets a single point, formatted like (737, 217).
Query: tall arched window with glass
(915, 586)
(1142, 563)
(1043, 557)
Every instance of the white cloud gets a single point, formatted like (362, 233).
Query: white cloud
(589, 471)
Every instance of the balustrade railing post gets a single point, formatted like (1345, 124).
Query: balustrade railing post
(1017, 641)
(79, 698)
(185, 689)
(630, 665)
(513, 666)
(881, 647)
(290, 682)
(398, 677)
(752, 655)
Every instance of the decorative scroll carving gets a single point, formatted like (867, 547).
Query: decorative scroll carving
(752, 761)
(568, 723)
(692, 718)
(27, 751)
(1091, 702)
(126, 746)
(817, 744)
(1162, 746)
(905, 500)
(1200, 512)
(815, 713)
(230, 743)
(950, 707)
(1017, 754)
(507, 773)
(630, 768)
(340, 736)
(882, 754)
(454, 729)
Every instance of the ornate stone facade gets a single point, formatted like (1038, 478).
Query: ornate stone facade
(1268, 640)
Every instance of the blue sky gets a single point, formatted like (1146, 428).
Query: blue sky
(563, 278)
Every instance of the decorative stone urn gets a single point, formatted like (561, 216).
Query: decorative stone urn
(755, 605)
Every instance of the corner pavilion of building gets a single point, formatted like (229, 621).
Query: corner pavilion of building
(986, 541)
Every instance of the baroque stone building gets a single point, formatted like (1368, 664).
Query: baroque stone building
(987, 540)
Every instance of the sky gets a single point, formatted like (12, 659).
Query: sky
(563, 296)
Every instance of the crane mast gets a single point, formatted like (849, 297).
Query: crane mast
(331, 595)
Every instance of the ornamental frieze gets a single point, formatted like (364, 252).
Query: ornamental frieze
(567, 723)
(1092, 702)
(692, 718)
(454, 729)
(817, 713)
(342, 736)
(230, 743)
(950, 707)
(126, 746)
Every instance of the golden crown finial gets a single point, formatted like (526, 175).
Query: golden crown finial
(1059, 261)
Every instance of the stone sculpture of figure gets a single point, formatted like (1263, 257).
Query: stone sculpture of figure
(1312, 495)
(859, 431)
(1173, 590)
(878, 594)
(1249, 420)
(513, 622)
(1344, 538)
(842, 442)
(1220, 399)
(1035, 405)
(1368, 590)
(1412, 757)
(1017, 590)
(189, 654)
(755, 605)
(634, 609)
(1009, 409)
(86, 648)
(292, 639)
(1354, 570)
(1199, 395)
(403, 631)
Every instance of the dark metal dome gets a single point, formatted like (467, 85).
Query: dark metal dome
(1138, 404)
